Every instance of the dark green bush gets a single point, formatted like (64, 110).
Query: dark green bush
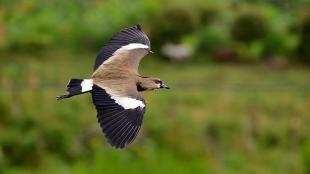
(249, 27)
(303, 50)
(212, 37)
(172, 24)
(248, 30)
(214, 40)
(208, 15)
(279, 44)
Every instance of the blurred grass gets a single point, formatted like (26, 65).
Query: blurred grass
(217, 118)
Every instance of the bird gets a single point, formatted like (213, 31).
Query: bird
(115, 86)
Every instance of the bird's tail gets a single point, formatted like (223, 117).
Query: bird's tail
(76, 87)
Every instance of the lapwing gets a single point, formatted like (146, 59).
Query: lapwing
(115, 85)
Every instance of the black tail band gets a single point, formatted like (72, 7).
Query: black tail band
(76, 87)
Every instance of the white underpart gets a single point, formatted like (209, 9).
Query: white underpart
(87, 85)
(128, 103)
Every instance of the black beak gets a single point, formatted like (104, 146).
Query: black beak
(164, 86)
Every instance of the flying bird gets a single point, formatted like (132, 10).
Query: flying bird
(115, 85)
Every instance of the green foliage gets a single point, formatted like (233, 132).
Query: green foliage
(151, 160)
(213, 36)
(208, 15)
(40, 25)
(249, 27)
(305, 153)
(47, 24)
(304, 46)
(251, 52)
(171, 25)
(279, 44)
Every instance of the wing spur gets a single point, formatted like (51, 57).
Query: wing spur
(122, 38)
(120, 125)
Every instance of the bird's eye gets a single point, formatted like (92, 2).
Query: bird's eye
(158, 81)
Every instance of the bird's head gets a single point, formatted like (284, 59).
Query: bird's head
(159, 84)
(151, 83)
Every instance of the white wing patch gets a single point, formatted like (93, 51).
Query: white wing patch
(131, 46)
(128, 103)
(134, 46)
(87, 85)
(125, 102)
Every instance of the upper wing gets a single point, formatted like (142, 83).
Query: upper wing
(126, 38)
(120, 117)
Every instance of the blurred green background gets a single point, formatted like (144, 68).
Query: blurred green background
(240, 97)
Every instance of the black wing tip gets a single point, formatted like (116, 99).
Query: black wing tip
(124, 137)
(124, 141)
(61, 97)
(116, 146)
(139, 27)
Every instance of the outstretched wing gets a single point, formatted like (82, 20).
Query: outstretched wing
(120, 117)
(126, 38)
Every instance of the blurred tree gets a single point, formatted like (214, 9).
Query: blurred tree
(208, 15)
(171, 25)
(303, 51)
(249, 27)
